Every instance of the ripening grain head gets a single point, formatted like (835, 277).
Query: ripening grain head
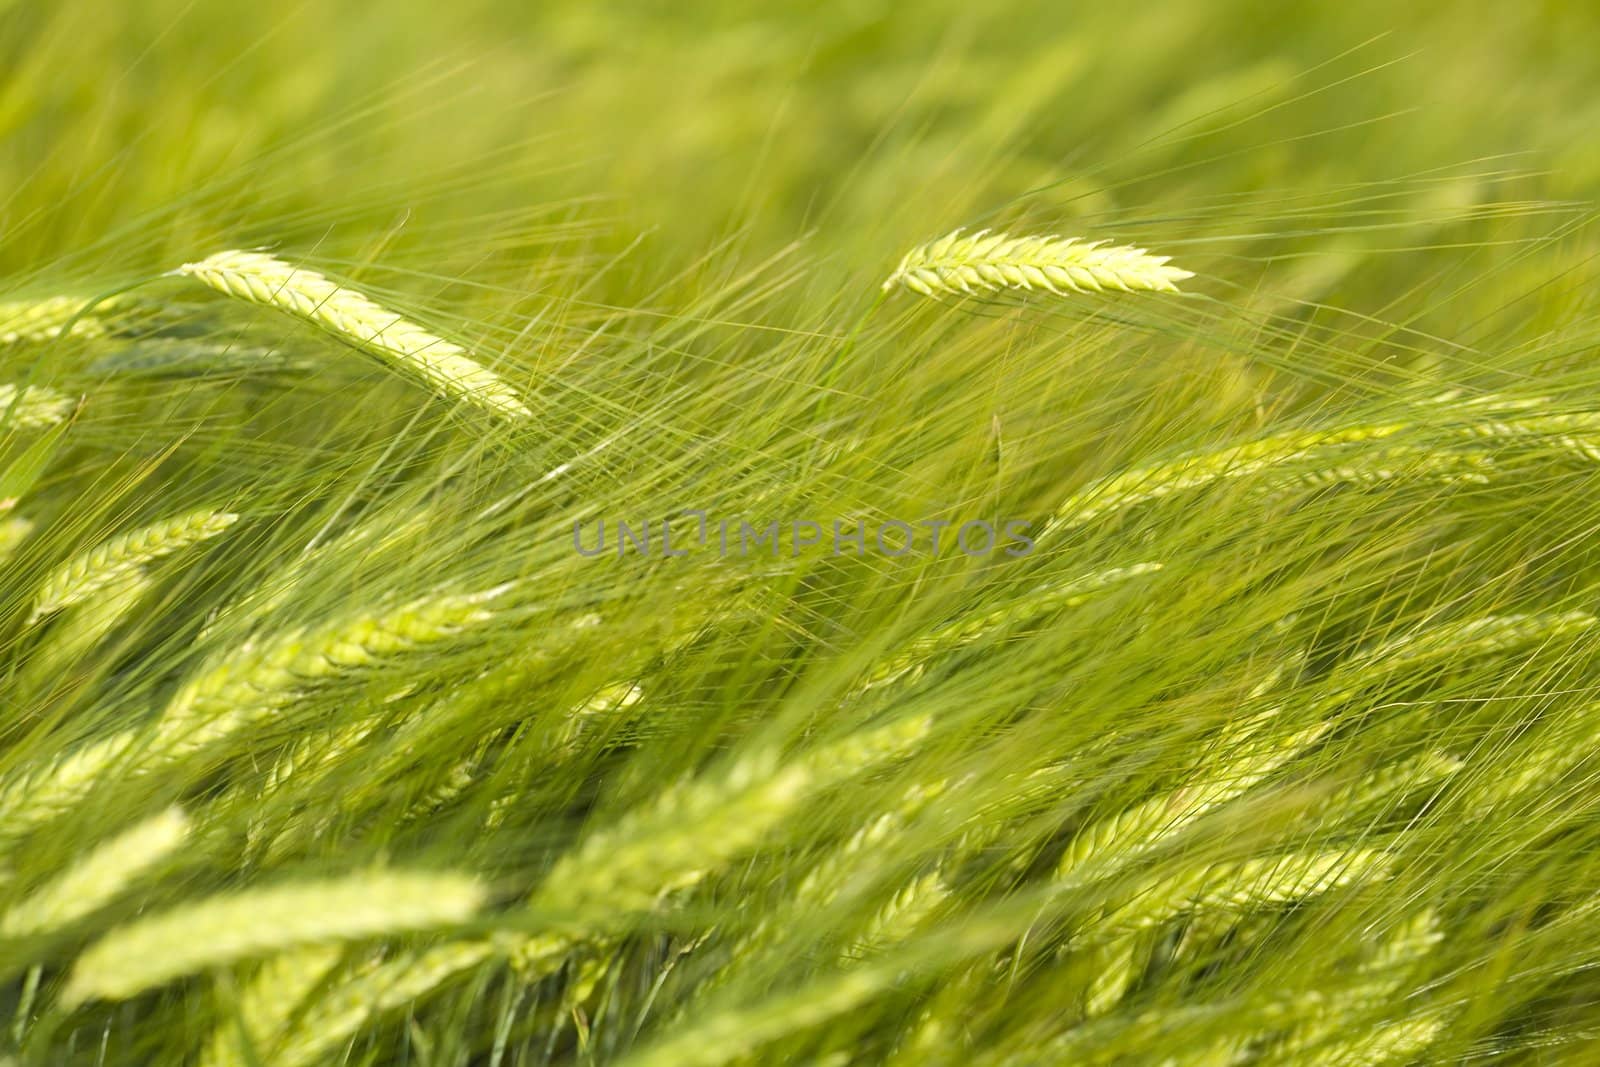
(257, 922)
(98, 877)
(32, 407)
(986, 262)
(43, 320)
(115, 561)
(353, 318)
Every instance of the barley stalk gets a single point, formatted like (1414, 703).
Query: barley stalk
(123, 558)
(353, 318)
(226, 929)
(986, 262)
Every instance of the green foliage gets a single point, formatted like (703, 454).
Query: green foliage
(330, 334)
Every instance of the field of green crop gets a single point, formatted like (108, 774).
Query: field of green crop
(714, 535)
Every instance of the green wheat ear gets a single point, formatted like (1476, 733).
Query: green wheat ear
(986, 262)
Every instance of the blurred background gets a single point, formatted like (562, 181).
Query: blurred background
(858, 126)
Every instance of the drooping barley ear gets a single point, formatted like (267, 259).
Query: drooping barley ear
(1380, 466)
(1139, 485)
(1116, 968)
(71, 640)
(737, 1032)
(32, 798)
(257, 922)
(694, 829)
(1537, 765)
(1576, 434)
(965, 632)
(260, 678)
(123, 558)
(1396, 1043)
(1116, 840)
(353, 318)
(1387, 783)
(268, 1005)
(1486, 635)
(1241, 886)
(340, 1012)
(43, 320)
(905, 913)
(32, 407)
(986, 262)
(13, 531)
(1380, 979)
(98, 878)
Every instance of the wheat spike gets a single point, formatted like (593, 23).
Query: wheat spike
(443, 365)
(98, 878)
(43, 320)
(904, 913)
(1380, 979)
(69, 642)
(123, 557)
(32, 407)
(985, 262)
(1117, 966)
(1487, 635)
(238, 926)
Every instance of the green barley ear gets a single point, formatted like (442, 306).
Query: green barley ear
(333, 1018)
(356, 320)
(31, 407)
(261, 677)
(13, 531)
(268, 1004)
(694, 829)
(115, 562)
(986, 262)
(98, 878)
(24, 321)
(1242, 886)
(244, 925)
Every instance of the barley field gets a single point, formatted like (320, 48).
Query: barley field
(700, 534)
